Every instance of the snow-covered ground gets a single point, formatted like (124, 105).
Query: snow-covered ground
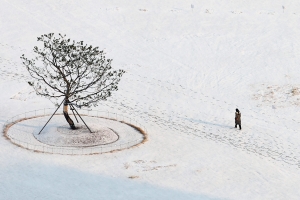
(189, 65)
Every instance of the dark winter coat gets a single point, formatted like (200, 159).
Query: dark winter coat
(238, 117)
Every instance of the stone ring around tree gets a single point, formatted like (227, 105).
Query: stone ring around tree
(108, 134)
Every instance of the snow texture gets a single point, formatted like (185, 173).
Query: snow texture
(189, 65)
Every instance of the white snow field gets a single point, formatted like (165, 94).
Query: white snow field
(189, 65)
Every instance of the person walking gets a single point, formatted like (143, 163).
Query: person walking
(238, 118)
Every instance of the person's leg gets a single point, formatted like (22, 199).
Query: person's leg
(235, 125)
(240, 126)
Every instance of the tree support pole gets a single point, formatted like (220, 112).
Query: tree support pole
(80, 117)
(51, 117)
(74, 114)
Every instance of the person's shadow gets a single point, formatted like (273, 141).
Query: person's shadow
(207, 123)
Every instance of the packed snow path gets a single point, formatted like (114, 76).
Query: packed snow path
(256, 136)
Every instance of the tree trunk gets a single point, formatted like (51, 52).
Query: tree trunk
(65, 110)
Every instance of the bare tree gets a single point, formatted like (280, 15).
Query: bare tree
(76, 71)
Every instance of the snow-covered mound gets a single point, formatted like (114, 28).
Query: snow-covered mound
(81, 137)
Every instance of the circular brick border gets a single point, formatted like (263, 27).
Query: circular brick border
(88, 150)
